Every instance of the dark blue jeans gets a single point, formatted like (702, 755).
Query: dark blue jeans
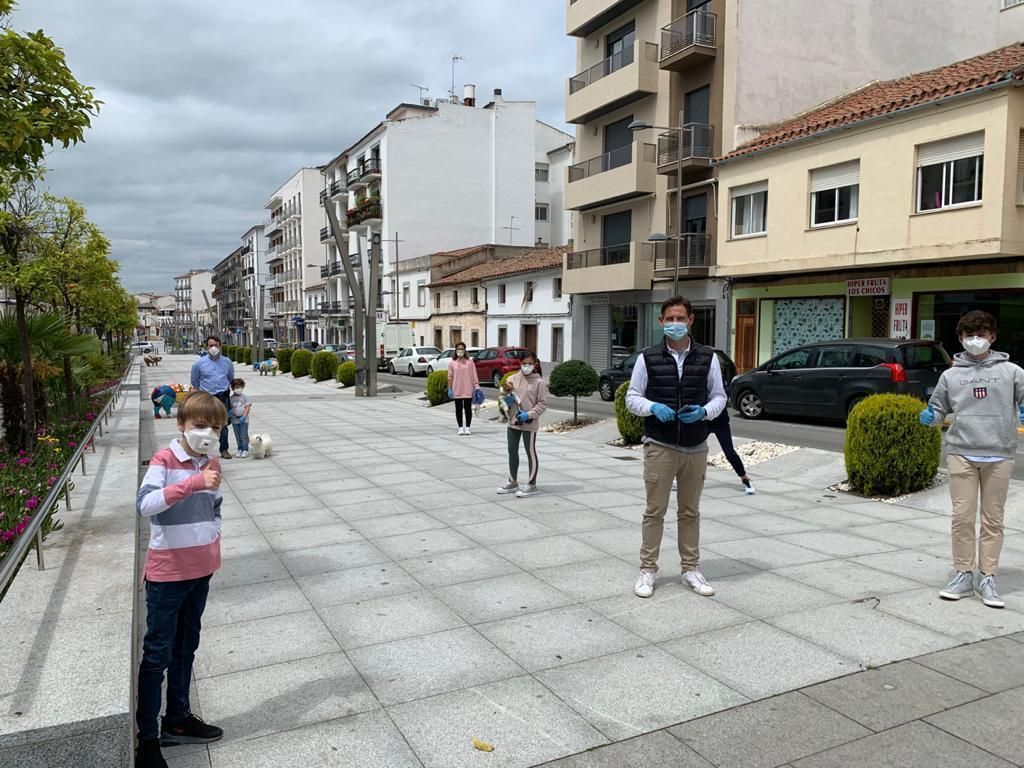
(174, 611)
(719, 427)
(225, 398)
(241, 426)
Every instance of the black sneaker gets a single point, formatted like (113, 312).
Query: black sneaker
(148, 754)
(191, 730)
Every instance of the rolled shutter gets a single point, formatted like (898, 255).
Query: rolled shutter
(957, 148)
(834, 176)
(749, 189)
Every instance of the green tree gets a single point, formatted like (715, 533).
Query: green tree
(575, 379)
(41, 102)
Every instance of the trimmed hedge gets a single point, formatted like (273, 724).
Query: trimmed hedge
(284, 359)
(301, 361)
(346, 373)
(437, 387)
(888, 451)
(575, 379)
(323, 366)
(631, 426)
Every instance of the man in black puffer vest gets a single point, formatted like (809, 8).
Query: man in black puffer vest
(677, 388)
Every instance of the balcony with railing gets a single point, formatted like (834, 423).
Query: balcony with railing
(694, 255)
(625, 267)
(279, 308)
(688, 41)
(587, 16)
(312, 314)
(614, 82)
(366, 214)
(273, 225)
(698, 149)
(338, 188)
(370, 170)
(331, 270)
(333, 308)
(623, 173)
(323, 197)
(325, 234)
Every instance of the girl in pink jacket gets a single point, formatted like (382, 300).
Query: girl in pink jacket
(462, 383)
(526, 396)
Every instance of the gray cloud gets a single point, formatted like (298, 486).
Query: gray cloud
(210, 106)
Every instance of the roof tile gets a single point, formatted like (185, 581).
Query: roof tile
(531, 261)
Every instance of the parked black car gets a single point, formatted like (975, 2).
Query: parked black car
(829, 378)
(611, 378)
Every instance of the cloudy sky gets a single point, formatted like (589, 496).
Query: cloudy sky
(210, 106)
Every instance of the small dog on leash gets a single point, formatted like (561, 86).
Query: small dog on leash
(261, 446)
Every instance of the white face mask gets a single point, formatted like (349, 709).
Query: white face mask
(214, 351)
(976, 345)
(460, 352)
(527, 369)
(239, 391)
(199, 440)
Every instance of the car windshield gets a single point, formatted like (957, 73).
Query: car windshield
(429, 351)
(515, 354)
(923, 357)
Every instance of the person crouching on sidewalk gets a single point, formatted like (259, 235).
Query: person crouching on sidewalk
(985, 393)
(162, 397)
(528, 394)
(462, 383)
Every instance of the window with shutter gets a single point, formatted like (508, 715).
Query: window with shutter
(835, 194)
(950, 172)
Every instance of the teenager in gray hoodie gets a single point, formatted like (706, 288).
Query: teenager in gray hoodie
(984, 392)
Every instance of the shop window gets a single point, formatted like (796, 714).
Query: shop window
(750, 210)
(950, 172)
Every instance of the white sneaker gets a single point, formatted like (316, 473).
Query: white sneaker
(469, 431)
(510, 487)
(644, 584)
(695, 580)
(748, 487)
(243, 454)
(462, 430)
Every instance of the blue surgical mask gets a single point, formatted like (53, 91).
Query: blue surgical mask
(676, 331)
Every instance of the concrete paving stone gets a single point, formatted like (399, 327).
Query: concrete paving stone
(370, 509)
(515, 528)
(270, 477)
(837, 543)
(442, 499)
(967, 619)
(296, 502)
(383, 619)
(393, 525)
(591, 580)
(80, 586)
(303, 538)
(762, 594)
(193, 760)
(241, 546)
(334, 557)
(621, 541)
(423, 666)
(246, 494)
(479, 512)
(914, 745)
(524, 722)
(456, 567)
(253, 601)
(233, 524)
(354, 584)
(338, 486)
(412, 545)
(1019, 637)
(501, 597)
(766, 553)
(993, 665)
(892, 695)
(287, 521)
(759, 660)
(558, 637)
(604, 690)
(612, 500)
(238, 569)
(571, 520)
(712, 531)
(893, 513)
(276, 698)
(652, 750)
(902, 535)
(261, 642)
(541, 504)
(547, 552)
(369, 740)
(343, 502)
(848, 579)
(717, 567)
(671, 612)
(856, 631)
(767, 733)
(916, 566)
(767, 524)
(993, 724)
(831, 518)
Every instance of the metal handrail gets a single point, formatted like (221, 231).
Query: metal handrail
(33, 532)
(695, 28)
(609, 161)
(599, 257)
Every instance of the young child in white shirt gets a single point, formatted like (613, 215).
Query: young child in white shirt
(239, 416)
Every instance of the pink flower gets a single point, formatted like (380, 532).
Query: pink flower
(72, 444)
(24, 462)
(51, 481)
(32, 503)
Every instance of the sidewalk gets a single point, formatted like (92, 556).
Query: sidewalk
(379, 605)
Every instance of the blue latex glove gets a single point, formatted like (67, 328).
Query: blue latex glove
(663, 413)
(451, 394)
(510, 400)
(692, 413)
(1021, 414)
(927, 417)
(523, 417)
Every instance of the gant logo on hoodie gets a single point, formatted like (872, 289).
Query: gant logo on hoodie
(980, 393)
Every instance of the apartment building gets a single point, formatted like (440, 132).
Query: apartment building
(708, 75)
(294, 253)
(194, 306)
(433, 176)
(234, 308)
(155, 315)
(890, 211)
(255, 276)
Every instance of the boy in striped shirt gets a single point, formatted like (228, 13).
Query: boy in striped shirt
(181, 496)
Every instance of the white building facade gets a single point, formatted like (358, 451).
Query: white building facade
(255, 273)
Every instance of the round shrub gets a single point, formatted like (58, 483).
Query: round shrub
(284, 359)
(346, 373)
(888, 451)
(437, 387)
(575, 379)
(631, 426)
(323, 366)
(301, 361)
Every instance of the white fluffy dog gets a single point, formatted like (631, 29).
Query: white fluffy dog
(261, 446)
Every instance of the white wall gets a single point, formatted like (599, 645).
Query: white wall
(560, 219)
(544, 311)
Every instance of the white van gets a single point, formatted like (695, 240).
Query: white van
(392, 337)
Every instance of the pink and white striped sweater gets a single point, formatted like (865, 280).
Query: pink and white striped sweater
(184, 517)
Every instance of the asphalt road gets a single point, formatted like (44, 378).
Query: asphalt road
(806, 433)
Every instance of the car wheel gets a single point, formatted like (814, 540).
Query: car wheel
(607, 393)
(751, 406)
(412, 371)
(391, 368)
(430, 369)
(496, 379)
(854, 402)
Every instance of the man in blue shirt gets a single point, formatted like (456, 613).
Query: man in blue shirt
(214, 374)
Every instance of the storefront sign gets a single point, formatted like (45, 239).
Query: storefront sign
(927, 329)
(868, 286)
(899, 327)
